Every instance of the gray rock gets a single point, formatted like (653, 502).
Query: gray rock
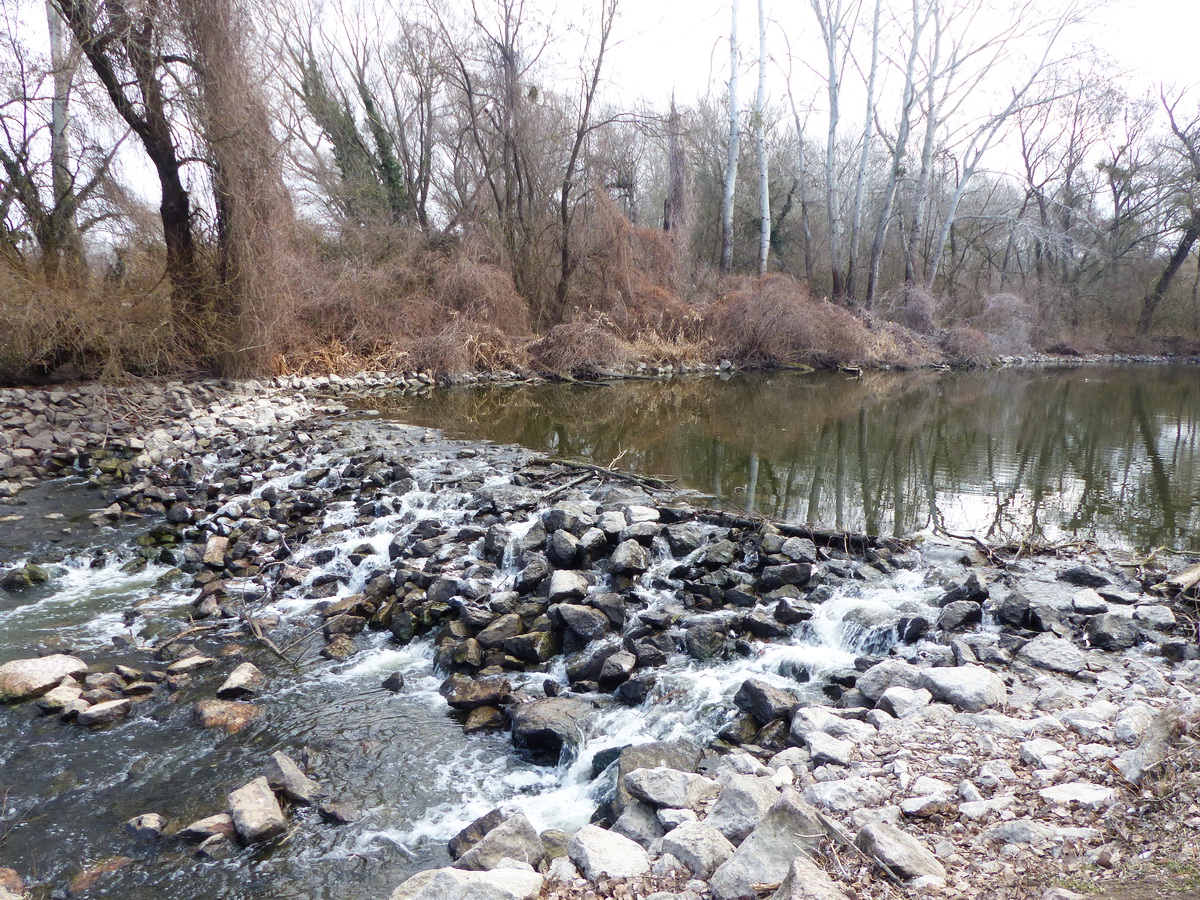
(599, 853)
(667, 788)
(681, 755)
(514, 838)
(824, 748)
(807, 881)
(22, 679)
(287, 778)
(1046, 651)
(256, 813)
(900, 852)
(958, 615)
(585, 621)
(886, 674)
(790, 828)
(566, 585)
(698, 846)
(458, 884)
(970, 688)
(903, 702)
(630, 557)
(764, 701)
(544, 726)
(242, 682)
(1157, 618)
(846, 794)
(1084, 576)
(743, 802)
(1112, 631)
(148, 826)
(1089, 796)
(59, 697)
(202, 829)
(505, 627)
(105, 713)
(639, 822)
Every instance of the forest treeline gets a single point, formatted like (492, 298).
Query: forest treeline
(457, 185)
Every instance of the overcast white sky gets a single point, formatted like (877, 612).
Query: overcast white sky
(679, 44)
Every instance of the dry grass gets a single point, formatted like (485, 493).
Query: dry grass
(965, 346)
(772, 320)
(579, 348)
(121, 323)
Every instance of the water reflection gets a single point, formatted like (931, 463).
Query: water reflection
(1108, 453)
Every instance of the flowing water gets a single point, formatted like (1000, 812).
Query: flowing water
(402, 758)
(1110, 453)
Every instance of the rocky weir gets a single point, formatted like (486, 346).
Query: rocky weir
(688, 704)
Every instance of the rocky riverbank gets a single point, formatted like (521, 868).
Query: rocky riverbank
(1004, 727)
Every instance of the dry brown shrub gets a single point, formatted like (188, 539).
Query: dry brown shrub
(579, 348)
(109, 326)
(1007, 320)
(895, 345)
(379, 296)
(461, 347)
(965, 346)
(772, 320)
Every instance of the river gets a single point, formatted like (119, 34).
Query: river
(1101, 453)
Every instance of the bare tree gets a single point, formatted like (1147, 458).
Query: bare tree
(760, 139)
(731, 157)
(1187, 152)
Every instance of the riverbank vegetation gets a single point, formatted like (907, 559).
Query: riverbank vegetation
(202, 185)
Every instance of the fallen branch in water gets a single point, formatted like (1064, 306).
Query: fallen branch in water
(843, 540)
(646, 481)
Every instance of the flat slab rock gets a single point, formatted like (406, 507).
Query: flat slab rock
(599, 853)
(460, 884)
(23, 679)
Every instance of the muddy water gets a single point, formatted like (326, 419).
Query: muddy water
(1110, 453)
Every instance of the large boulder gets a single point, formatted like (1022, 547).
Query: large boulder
(630, 558)
(599, 854)
(545, 726)
(681, 755)
(458, 884)
(22, 679)
(256, 813)
(807, 881)
(743, 802)
(886, 674)
(698, 846)
(467, 694)
(790, 828)
(515, 838)
(900, 852)
(970, 688)
(1053, 653)
(1112, 631)
(242, 682)
(284, 776)
(764, 701)
(586, 622)
(670, 789)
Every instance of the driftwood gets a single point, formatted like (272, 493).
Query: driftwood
(843, 540)
(646, 481)
(1180, 582)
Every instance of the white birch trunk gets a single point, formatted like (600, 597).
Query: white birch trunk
(731, 160)
(864, 157)
(760, 135)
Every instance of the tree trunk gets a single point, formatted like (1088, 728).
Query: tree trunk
(1178, 258)
(760, 135)
(731, 159)
(863, 159)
